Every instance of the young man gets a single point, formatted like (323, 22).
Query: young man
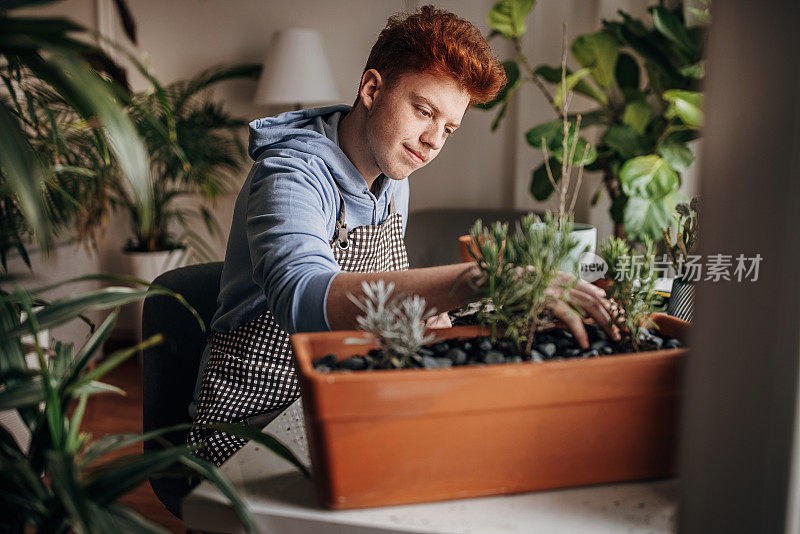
(324, 208)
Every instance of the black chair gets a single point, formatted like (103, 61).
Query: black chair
(170, 369)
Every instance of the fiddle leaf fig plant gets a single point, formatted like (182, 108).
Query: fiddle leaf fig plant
(643, 79)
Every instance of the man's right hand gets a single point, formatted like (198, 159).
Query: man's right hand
(589, 298)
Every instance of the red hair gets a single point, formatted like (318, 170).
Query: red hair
(437, 41)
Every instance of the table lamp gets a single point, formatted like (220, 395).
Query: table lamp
(296, 71)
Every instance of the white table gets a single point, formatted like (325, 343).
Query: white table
(282, 501)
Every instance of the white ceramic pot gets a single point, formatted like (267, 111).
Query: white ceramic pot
(148, 266)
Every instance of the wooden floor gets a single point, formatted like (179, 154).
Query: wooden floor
(111, 414)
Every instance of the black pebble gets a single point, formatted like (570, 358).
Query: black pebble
(467, 346)
(598, 345)
(595, 333)
(548, 350)
(440, 347)
(591, 353)
(515, 359)
(444, 363)
(354, 363)
(485, 345)
(493, 356)
(608, 349)
(424, 351)
(329, 360)
(322, 368)
(673, 344)
(571, 353)
(456, 356)
(536, 356)
(429, 362)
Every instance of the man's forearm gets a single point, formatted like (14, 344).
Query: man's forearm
(444, 288)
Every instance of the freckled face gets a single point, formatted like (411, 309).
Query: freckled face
(409, 122)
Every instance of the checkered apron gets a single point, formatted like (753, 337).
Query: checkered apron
(250, 373)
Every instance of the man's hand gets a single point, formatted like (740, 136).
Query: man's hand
(589, 298)
(439, 321)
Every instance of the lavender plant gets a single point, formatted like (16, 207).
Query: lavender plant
(516, 272)
(396, 321)
(632, 288)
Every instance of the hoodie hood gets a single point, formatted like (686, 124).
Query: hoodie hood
(312, 131)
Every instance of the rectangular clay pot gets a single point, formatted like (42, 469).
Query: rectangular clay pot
(390, 437)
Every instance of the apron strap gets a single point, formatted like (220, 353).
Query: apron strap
(341, 224)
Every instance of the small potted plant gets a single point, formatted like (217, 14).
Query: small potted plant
(679, 243)
(506, 406)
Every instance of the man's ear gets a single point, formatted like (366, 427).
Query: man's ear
(371, 85)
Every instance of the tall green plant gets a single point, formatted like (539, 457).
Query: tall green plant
(518, 271)
(64, 481)
(644, 80)
(54, 52)
(204, 156)
(631, 286)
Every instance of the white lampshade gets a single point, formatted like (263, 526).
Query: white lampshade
(296, 70)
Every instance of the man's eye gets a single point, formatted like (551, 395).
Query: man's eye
(424, 112)
(448, 131)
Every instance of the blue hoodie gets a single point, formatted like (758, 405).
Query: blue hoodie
(278, 255)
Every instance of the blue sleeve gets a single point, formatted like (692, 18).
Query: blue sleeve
(289, 219)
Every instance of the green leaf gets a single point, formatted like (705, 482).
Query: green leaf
(648, 177)
(627, 72)
(67, 308)
(686, 105)
(83, 357)
(696, 71)
(512, 82)
(553, 75)
(500, 114)
(110, 480)
(111, 442)
(23, 174)
(113, 360)
(507, 17)
(21, 394)
(216, 477)
(571, 81)
(646, 217)
(637, 114)
(584, 153)
(551, 131)
(541, 188)
(598, 51)
(677, 155)
(671, 27)
(625, 140)
(129, 521)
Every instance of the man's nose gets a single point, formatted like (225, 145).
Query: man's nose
(433, 136)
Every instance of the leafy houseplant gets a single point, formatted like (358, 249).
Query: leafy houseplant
(63, 480)
(62, 126)
(203, 159)
(645, 116)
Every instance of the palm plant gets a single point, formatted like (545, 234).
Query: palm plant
(64, 480)
(205, 155)
(37, 189)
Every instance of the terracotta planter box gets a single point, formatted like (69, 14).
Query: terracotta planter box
(390, 437)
